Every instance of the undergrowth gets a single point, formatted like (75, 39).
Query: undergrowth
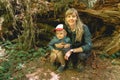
(111, 56)
(16, 58)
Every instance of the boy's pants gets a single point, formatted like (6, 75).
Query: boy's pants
(59, 56)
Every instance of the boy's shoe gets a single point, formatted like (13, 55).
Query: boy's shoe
(61, 69)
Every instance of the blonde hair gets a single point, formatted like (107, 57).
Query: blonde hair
(79, 25)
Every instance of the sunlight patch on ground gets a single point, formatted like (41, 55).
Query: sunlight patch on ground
(40, 72)
(54, 76)
(74, 78)
(34, 75)
(2, 52)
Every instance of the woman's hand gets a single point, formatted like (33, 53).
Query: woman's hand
(59, 45)
(67, 55)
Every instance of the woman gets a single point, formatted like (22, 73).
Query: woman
(80, 37)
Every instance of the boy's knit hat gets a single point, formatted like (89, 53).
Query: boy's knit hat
(59, 27)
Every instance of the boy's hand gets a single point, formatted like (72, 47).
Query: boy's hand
(59, 45)
(67, 46)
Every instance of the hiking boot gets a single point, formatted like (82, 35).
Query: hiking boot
(61, 69)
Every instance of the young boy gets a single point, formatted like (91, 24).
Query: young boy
(59, 45)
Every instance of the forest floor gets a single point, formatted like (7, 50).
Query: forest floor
(102, 69)
(97, 68)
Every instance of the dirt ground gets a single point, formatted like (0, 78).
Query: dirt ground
(97, 68)
(100, 69)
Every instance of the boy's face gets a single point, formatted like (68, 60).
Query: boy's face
(60, 34)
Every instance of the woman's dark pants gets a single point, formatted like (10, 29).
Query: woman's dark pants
(79, 58)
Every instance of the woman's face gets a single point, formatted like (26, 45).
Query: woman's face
(71, 19)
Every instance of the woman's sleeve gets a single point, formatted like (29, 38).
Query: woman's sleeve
(68, 40)
(87, 37)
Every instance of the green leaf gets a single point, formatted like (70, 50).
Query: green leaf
(1, 68)
(113, 56)
(36, 54)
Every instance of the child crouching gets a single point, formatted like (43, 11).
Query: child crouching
(59, 45)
